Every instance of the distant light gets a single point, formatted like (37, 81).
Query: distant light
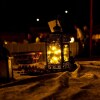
(37, 19)
(5, 42)
(72, 40)
(66, 11)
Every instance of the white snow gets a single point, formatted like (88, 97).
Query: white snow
(82, 84)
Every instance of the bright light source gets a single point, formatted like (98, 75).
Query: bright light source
(72, 40)
(37, 19)
(66, 11)
(5, 42)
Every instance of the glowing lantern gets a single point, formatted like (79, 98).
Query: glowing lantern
(57, 49)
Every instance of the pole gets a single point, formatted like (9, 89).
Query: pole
(91, 25)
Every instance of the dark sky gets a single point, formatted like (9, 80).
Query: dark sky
(20, 14)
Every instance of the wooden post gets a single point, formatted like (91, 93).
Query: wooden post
(91, 25)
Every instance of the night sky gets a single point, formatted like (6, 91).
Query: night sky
(19, 15)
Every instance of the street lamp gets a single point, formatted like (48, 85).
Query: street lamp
(66, 11)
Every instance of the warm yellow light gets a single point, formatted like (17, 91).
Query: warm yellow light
(57, 51)
(37, 39)
(54, 53)
(49, 52)
(5, 42)
(65, 46)
(54, 60)
(66, 52)
(53, 47)
(65, 58)
(66, 49)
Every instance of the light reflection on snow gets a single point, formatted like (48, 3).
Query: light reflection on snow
(61, 86)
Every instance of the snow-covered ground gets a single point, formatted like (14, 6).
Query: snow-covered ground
(82, 84)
